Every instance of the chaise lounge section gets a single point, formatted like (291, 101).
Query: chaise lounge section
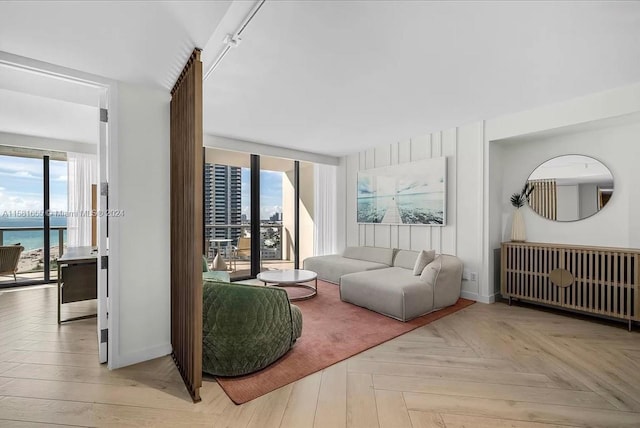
(397, 293)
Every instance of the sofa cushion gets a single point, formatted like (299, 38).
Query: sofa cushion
(370, 254)
(414, 260)
(331, 268)
(394, 292)
(424, 258)
(405, 259)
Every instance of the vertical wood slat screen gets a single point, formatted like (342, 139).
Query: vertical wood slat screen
(603, 281)
(186, 224)
(544, 198)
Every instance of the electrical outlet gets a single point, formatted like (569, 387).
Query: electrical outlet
(473, 276)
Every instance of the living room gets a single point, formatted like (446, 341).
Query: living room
(497, 89)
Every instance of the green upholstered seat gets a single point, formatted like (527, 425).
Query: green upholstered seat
(216, 275)
(246, 327)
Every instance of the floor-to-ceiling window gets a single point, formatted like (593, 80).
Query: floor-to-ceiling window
(31, 181)
(227, 211)
(258, 212)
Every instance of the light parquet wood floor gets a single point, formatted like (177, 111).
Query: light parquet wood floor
(485, 366)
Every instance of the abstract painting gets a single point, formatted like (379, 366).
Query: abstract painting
(411, 193)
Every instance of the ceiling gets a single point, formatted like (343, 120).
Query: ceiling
(138, 42)
(37, 116)
(141, 42)
(337, 77)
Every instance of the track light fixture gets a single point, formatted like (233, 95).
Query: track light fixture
(233, 40)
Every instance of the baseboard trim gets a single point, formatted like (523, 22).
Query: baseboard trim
(478, 298)
(142, 355)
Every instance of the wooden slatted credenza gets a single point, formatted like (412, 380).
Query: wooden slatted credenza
(595, 280)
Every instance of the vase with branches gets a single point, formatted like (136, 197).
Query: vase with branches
(518, 232)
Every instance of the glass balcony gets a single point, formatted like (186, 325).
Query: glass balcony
(31, 262)
(274, 239)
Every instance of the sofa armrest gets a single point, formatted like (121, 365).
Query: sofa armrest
(444, 275)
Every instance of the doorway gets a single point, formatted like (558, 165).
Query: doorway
(62, 111)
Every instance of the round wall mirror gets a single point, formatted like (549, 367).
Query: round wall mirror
(570, 188)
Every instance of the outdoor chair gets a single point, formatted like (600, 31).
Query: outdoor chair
(9, 257)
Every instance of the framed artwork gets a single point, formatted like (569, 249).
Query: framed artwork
(411, 193)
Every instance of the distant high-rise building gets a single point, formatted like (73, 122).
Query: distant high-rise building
(276, 217)
(222, 200)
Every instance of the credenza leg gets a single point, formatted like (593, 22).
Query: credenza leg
(630, 324)
(509, 300)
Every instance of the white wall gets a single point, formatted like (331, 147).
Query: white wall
(481, 177)
(595, 113)
(568, 207)
(461, 146)
(144, 298)
(588, 199)
(617, 147)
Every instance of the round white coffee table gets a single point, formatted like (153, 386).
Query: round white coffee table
(291, 278)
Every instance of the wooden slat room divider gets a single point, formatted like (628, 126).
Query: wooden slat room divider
(544, 198)
(186, 224)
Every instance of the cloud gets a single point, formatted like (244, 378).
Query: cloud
(268, 211)
(15, 202)
(23, 174)
(61, 178)
(12, 164)
(20, 175)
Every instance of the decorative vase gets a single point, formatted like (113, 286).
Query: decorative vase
(518, 233)
(218, 263)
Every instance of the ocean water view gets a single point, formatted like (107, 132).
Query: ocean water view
(33, 239)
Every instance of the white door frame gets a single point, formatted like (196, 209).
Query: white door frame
(110, 102)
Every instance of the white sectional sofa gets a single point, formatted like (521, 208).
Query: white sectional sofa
(383, 280)
(354, 259)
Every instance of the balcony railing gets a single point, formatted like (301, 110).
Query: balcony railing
(56, 250)
(270, 237)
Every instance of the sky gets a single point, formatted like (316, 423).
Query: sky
(270, 193)
(21, 182)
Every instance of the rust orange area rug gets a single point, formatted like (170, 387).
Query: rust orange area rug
(332, 331)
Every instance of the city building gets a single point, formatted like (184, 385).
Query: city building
(222, 201)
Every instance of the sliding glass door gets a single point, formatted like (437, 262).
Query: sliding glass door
(274, 222)
(277, 213)
(30, 241)
(227, 212)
